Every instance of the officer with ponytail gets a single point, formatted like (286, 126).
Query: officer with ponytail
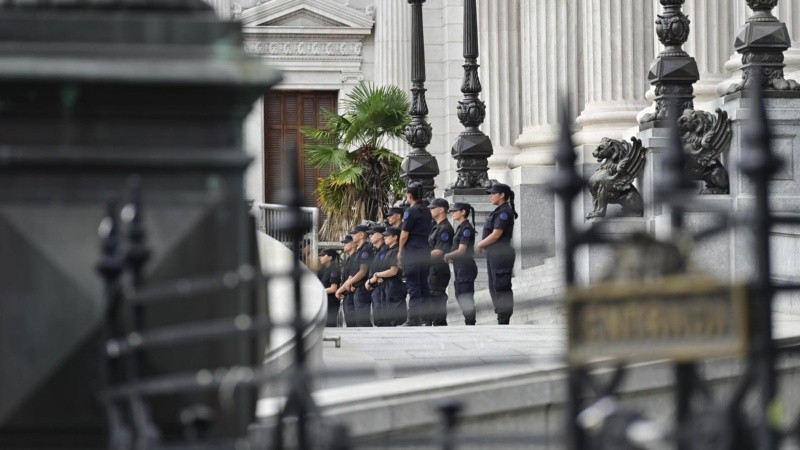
(462, 256)
(500, 256)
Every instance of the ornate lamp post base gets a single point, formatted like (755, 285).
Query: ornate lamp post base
(762, 42)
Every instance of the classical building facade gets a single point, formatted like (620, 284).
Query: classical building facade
(531, 51)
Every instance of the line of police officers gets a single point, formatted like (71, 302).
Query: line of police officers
(418, 245)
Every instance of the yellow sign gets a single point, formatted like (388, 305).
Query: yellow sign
(681, 318)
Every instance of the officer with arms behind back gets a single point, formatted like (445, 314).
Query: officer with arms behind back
(496, 242)
(414, 254)
(330, 276)
(462, 256)
(345, 295)
(439, 277)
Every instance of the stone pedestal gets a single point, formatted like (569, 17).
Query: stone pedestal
(534, 233)
(594, 261)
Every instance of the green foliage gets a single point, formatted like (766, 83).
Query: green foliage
(364, 176)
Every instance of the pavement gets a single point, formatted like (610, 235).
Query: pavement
(374, 354)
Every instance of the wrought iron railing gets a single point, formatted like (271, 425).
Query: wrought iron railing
(269, 219)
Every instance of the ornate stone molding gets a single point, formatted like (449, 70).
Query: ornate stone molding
(303, 48)
(304, 38)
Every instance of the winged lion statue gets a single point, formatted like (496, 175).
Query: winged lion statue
(612, 183)
(705, 136)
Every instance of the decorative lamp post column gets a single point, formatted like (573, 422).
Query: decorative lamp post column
(673, 72)
(473, 148)
(761, 42)
(419, 166)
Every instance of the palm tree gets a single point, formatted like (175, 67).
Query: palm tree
(364, 176)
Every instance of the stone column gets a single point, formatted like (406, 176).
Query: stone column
(714, 27)
(393, 51)
(499, 34)
(552, 32)
(788, 11)
(222, 8)
(618, 49)
(392, 43)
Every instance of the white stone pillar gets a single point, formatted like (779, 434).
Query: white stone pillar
(499, 37)
(552, 32)
(393, 51)
(788, 11)
(221, 7)
(710, 42)
(393, 43)
(618, 50)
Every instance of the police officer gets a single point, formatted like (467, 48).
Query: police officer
(394, 216)
(346, 295)
(391, 282)
(330, 276)
(379, 313)
(440, 239)
(361, 297)
(462, 256)
(496, 242)
(414, 254)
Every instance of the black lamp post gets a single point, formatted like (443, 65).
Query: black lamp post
(473, 148)
(419, 166)
(761, 42)
(673, 72)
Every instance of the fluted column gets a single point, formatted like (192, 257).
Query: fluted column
(788, 11)
(499, 32)
(393, 51)
(392, 43)
(552, 33)
(711, 43)
(618, 48)
(221, 7)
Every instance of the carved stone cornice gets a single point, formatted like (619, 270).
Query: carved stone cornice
(308, 36)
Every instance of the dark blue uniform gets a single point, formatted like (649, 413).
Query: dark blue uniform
(500, 261)
(378, 308)
(417, 221)
(440, 238)
(394, 291)
(329, 276)
(465, 271)
(362, 298)
(348, 303)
